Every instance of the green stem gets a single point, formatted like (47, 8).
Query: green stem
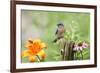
(39, 60)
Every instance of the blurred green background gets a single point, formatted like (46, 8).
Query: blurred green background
(43, 24)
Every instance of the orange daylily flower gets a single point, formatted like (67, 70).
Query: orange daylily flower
(34, 49)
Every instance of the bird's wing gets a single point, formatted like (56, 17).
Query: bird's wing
(56, 32)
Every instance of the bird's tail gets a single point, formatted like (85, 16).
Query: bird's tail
(56, 39)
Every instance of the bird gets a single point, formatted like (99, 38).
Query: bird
(59, 32)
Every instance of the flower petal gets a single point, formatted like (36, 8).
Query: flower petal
(25, 53)
(85, 45)
(28, 44)
(32, 58)
(80, 48)
(42, 54)
(43, 45)
(36, 41)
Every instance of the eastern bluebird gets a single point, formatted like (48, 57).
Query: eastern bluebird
(59, 32)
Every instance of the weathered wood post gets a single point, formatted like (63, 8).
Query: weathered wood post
(66, 49)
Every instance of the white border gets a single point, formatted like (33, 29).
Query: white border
(20, 65)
